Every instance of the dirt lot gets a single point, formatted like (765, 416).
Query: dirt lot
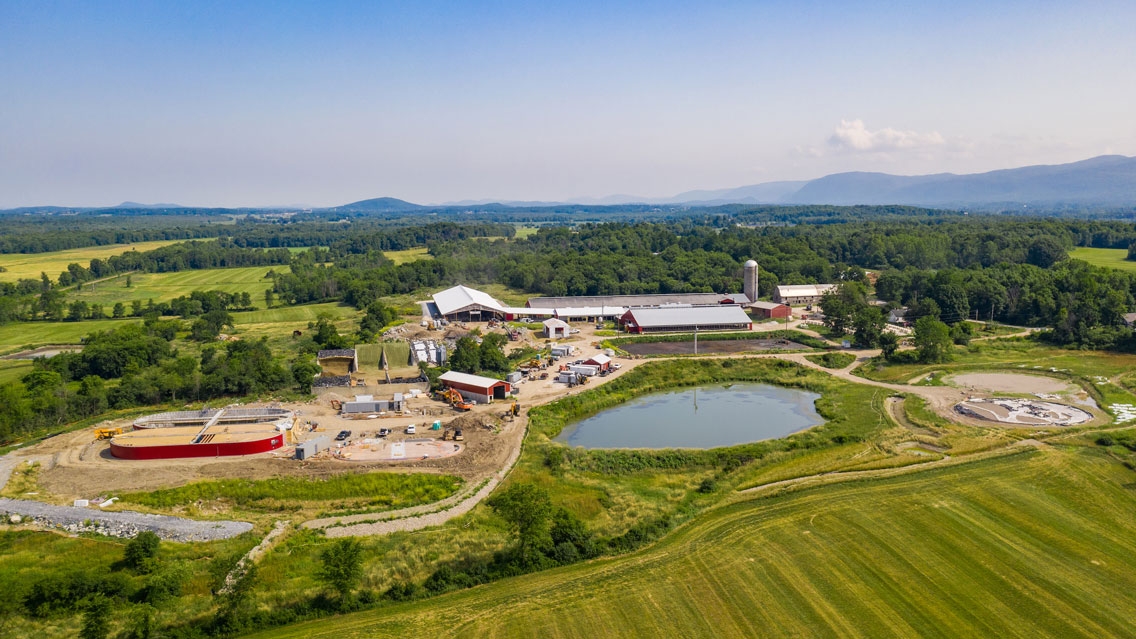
(75, 466)
(712, 347)
(1011, 383)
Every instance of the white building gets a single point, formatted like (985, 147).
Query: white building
(801, 294)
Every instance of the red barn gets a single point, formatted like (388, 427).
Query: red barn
(483, 390)
(769, 310)
(601, 361)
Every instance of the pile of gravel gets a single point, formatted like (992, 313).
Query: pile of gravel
(125, 524)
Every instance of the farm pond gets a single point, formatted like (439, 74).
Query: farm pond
(699, 417)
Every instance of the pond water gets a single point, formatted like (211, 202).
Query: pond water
(701, 417)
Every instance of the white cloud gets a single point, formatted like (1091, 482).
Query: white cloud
(852, 135)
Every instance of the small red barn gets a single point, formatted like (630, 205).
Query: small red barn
(601, 361)
(482, 390)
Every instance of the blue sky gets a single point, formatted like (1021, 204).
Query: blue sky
(242, 104)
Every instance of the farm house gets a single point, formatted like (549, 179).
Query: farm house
(769, 310)
(482, 390)
(686, 319)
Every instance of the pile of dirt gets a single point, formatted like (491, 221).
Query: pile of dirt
(470, 421)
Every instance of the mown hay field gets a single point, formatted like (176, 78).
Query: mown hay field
(162, 287)
(20, 265)
(16, 335)
(1036, 544)
(1112, 258)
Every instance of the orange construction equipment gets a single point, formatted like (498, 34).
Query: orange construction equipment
(107, 433)
(455, 399)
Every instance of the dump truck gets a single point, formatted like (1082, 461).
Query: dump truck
(107, 433)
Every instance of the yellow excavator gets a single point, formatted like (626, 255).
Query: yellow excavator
(455, 399)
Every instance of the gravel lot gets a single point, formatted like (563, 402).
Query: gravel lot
(124, 524)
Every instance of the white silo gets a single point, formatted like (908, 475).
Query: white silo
(749, 280)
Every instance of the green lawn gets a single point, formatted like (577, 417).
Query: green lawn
(1112, 258)
(1038, 544)
(20, 265)
(166, 286)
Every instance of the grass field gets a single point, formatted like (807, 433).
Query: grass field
(11, 370)
(1038, 544)
(20, 265)
(279, 322)
(409, 255)
(1112, 258)
(374, 491)
(162, 287)
(524, 231)
(18, 334)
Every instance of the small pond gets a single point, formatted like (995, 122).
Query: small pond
(700, 417)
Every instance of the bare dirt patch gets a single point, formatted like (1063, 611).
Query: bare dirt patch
(1021, 412)
(1011, 383)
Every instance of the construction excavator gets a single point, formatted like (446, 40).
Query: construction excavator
(455, 399)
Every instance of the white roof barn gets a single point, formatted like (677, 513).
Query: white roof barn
(801, 293)
(687, 318)
(462, 299)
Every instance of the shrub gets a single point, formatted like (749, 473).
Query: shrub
(141, 552)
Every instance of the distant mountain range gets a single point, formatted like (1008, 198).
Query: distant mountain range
(1107, 180)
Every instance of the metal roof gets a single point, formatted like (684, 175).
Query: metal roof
(689, 316)
(769, 306)
(555, 323)
(803, 290)
(638, 301)
(590, 311)
(458, 298)
(336, 352)
(528, 312)
(469, 380)
(599, 360)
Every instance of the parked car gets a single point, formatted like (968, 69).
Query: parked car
(343, 434)
(410, 430)
(383, 432)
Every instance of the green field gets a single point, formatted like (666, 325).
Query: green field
(524, 231)
(13, 369)
(374, 491)
(409, 255)
(162, 287)
(1038, 544)
(1112, 258)
(16, 335)
(20, 265)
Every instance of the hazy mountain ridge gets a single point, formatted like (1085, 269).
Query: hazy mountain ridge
(1107, 180)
